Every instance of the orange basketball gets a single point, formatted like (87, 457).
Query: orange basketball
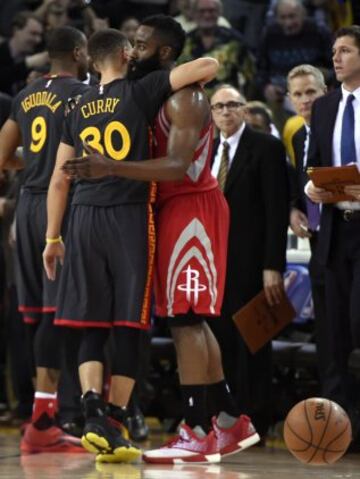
(317, 431)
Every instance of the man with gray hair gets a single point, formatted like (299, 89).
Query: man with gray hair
(305, 84)
(225, 44)
(291, 40)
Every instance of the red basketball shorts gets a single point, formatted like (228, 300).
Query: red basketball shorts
(192, 235)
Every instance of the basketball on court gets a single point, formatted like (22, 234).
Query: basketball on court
(317, 431)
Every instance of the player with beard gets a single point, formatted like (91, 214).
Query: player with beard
(192, 228)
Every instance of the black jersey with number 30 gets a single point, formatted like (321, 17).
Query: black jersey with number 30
(114, 119)
(39, 110)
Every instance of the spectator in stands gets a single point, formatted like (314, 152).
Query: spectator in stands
(55, 16)
(226, 45)
(258, 116)
(247, 16)
(291, 40)
(17, 55)
(251, 170)
(128, 27)
(187, 14)
(333, 14)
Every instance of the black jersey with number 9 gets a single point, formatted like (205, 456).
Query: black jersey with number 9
(39, 110)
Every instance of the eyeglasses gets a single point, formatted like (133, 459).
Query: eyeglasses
(230, 105)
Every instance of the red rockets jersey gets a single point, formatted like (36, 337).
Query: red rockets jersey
(198, 177)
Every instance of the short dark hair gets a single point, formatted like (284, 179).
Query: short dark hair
(258, 110)
(62, 41)
(106, 43)
(21, 18)
(168, 31)
(352, 31)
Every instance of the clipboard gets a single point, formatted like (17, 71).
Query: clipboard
(258, 322)
(334, 179)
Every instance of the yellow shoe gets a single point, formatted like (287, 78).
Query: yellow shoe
(101, 437)
(120, 455)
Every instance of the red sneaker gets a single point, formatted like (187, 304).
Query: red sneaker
(236, 438)
(184, 448)
(48, 440)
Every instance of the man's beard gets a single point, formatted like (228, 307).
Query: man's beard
(139, 68)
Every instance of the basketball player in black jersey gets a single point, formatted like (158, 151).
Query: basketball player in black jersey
(106, 278)
(36, 123)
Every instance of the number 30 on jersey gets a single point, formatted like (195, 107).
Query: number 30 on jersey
(92, 136)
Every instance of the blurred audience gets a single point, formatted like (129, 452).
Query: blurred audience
(187, 14)
(247, 16)
(258, 116)
(17, 55)
(128, 27)
(291, 40)
(237, 65)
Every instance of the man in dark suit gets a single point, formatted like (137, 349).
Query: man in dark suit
(305, 84)
(335, 141)
(251, 170)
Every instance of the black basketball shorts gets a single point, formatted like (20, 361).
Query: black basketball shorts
(107, 273)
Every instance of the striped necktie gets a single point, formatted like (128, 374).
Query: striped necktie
(224, 166)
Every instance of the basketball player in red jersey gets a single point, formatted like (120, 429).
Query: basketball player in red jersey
(192, 227)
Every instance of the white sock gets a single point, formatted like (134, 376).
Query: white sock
(41, 395)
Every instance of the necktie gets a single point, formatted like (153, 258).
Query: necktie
(224, 166)
(312, 209)
(348, 151)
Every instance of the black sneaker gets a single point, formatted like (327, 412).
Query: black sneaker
(131, 422)
(137, 427)
(102, 438)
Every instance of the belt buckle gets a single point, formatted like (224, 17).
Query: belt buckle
(347, 214)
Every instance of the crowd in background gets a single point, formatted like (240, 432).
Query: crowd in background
(257, 43)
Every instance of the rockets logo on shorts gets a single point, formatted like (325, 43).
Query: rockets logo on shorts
(192, 269)
(192, 285)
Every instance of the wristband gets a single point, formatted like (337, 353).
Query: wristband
(53, 240)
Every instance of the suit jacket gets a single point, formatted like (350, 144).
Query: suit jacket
(323, 119)
(256, 190)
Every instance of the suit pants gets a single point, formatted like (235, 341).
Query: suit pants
(317, 278)
(342, 287)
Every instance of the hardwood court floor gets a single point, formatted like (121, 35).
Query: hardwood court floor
(254, 463)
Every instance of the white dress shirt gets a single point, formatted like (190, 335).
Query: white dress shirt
(347, 205)
(233, 141)
(306, 146)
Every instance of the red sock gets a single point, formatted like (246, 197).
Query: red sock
(44, 410)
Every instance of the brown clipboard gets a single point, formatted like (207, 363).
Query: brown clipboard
(258, 322)
(334, 179)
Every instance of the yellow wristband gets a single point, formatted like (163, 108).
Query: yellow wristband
(54, 240)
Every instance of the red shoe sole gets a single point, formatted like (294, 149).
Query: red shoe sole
(26, 448)
(198, 459)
